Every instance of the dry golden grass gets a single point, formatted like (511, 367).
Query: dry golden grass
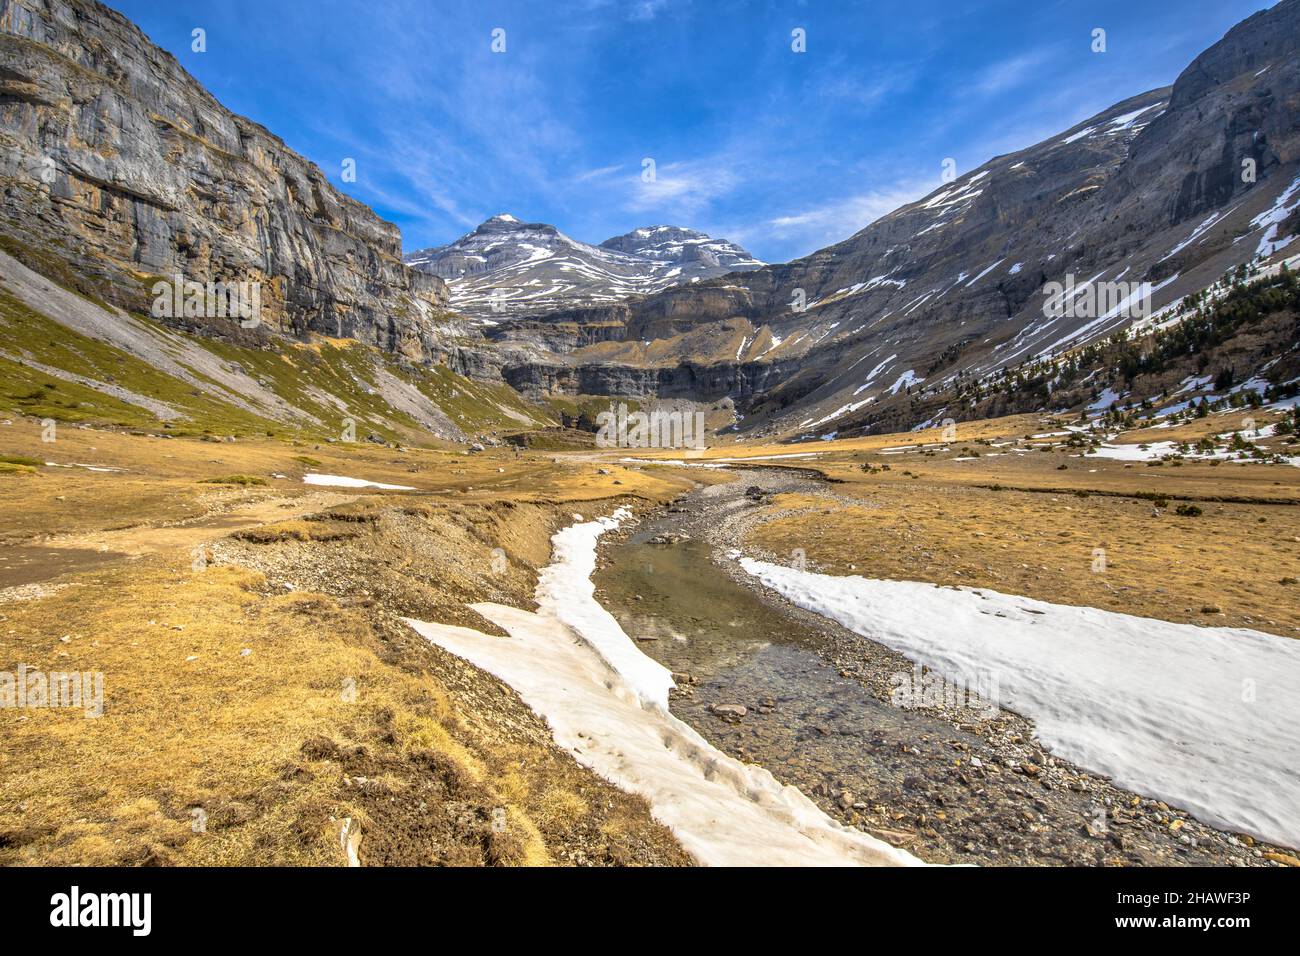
(269, 748)
(944, 527)
(1021, 523)
(191, 723)
(217, 696)
(159, 482)
(269, 745)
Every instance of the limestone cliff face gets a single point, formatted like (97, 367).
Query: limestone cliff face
(118, 161)
(742, 381)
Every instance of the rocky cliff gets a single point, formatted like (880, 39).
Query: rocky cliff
(118, 162)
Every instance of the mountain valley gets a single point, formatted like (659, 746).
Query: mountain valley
(985, 554)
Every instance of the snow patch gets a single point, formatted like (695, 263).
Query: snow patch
(1273, 218)
(1156, 706)
(905, 380)
(340, 481)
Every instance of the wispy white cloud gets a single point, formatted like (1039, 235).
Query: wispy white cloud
(1008, 74)
(782, 153)
(866, 94)
(822, 224)
(681, 188)
(646, 9)
(602, 173)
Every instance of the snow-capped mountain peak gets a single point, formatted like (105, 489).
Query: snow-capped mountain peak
(507, 266)
(680, 245)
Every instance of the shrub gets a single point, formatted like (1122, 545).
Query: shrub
(235, 480)
(21, 460)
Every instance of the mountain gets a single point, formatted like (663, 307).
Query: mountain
(123, 165)
(1174, 187)
(510, 268)
(676, 245)
(120, 171)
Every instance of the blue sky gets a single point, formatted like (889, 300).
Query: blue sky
(783, 152)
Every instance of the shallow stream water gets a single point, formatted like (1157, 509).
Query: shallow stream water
(947, 786)
(809, 725)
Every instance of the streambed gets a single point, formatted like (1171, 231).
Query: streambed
(950, 785)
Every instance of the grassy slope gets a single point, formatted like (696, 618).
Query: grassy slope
(298, 373)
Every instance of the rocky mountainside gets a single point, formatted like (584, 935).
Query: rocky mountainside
(1174, 188)
(119, 169)
(117, 162)
(119, 172)
(507, 268)
(677, 245)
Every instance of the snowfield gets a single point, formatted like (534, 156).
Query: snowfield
(341, 481)
(606, 703)
(1153, 451)
(1204, 718)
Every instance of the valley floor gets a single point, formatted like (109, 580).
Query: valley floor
(264, 701)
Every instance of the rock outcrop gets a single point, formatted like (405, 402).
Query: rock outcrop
(118, 162)
(697, 381)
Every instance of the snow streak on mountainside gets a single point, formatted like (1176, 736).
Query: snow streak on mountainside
(509, 268)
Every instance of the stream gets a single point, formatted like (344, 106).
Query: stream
(950, 787)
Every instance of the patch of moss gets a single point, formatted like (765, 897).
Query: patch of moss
(295, 531)
(576, 410)
(27, 391)
(476, 406)
(235, 480)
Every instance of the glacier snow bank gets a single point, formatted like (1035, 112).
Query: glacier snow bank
(1204, 718)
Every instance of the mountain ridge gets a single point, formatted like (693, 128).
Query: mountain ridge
(952, 284)
(508, 267)
(124, 170)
